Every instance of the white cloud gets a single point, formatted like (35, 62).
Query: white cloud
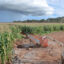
(58, 6)
(27, 7)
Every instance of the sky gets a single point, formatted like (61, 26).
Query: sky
(12, 10)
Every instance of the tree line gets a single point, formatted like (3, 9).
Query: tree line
(49, 20)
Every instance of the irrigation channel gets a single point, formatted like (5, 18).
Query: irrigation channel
(25, 52)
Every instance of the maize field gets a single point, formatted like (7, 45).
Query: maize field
(13, 32)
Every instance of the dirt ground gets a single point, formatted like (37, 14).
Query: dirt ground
(58, 36)
(51, 54)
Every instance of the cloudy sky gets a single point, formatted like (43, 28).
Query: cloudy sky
(11, 10)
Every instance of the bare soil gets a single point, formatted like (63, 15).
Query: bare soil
(49, 55)
(58, 36)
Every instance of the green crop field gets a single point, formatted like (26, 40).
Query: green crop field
(9, 32)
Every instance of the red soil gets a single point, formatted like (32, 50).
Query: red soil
(58, 36)
(51, 53)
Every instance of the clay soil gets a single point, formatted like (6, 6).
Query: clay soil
(58, 36)
(31, 55)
